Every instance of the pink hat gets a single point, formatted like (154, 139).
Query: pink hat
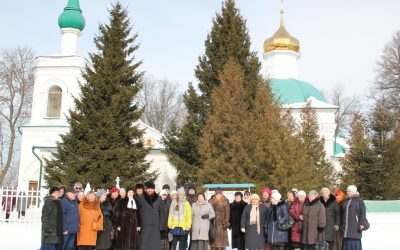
(113, 190)
(266, 190)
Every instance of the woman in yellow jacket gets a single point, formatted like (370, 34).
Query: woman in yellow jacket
(180, 219)
(90, 222)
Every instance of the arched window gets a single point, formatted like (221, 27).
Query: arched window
(54, 102)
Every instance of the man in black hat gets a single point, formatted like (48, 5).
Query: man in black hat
(52, 220)
(152, 208)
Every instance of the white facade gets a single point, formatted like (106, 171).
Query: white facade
(281, 64)
(58, 77)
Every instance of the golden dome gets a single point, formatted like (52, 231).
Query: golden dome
(282, 40)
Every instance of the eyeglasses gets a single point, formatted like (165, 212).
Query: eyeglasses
(77, 188)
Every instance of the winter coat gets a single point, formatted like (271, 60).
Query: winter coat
(152, 213)
(295, 211)
(353, 215)
(186, 222)
(332, 213)
(70, 214)
(253, 239)
(221, 222)
(277, 214)
(164, 222)
(128, 220)
(200, 227)
(89, 213)
(314, 221)
(192, 198)
(113, 203)
(104, 237)
(236, 212)
(22, 202)
(52, 221)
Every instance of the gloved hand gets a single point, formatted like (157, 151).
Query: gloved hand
(336, 227)
(243, 230)
(205, 216)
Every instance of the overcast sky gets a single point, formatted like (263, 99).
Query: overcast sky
(340, 40)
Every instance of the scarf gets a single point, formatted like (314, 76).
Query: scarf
(131, 203)
(177, 210)
(255, 217)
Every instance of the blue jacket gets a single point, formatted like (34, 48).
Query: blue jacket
(277, 214)
(70, 213)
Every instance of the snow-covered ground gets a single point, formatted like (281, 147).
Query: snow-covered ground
(384, 234)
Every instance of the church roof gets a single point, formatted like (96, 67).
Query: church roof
(294, 91)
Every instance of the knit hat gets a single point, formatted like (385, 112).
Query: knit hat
(266, 190)
(295, 190)
(352, 188)
(277, 196)
(166, 186)
(139, 186)
(163, 192)
(113, 190)
(191, 186)
(239, 194)
(174, 192)
(181, 191)
(150, 185)
(219, 190)
(53, 189)
(100, 192)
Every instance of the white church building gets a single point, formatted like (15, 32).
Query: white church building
(57, 79)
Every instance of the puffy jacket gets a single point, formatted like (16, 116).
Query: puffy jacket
(70, 213)
(186, 222)
(277, 214)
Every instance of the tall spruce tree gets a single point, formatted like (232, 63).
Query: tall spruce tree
(316, 164)
(224, 147)
(229, 38)
(103, 141)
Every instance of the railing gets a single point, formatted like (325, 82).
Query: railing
(20, 206)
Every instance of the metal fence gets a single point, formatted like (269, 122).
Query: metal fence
(21, 206)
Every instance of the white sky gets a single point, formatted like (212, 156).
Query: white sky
(340, 40)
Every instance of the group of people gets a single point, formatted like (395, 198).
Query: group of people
(140, 218)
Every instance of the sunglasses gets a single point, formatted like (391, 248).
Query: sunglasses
(77, 188)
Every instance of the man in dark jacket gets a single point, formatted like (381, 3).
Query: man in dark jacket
(70, 212)
(153, 213)
(52, 220)
(332, 214)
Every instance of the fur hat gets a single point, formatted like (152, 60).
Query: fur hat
(166, 186)
(277, 196)
(100, 192)
(113, 190)
(139, 186)
(150, 185)
(352, 188)
(219, 190)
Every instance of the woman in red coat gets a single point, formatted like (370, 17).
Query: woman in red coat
(295, 211)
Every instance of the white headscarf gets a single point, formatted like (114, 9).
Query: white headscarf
(131, 203)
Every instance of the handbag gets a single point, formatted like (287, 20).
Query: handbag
(287, 225)
(212, 233)
(322, 244)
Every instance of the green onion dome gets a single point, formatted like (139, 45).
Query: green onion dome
(72, 16)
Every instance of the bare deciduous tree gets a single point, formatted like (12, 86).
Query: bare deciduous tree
(162, 103)
(16, 87)
(348, 105)
(387, 80)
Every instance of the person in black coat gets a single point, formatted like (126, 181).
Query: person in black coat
(128, 222)
(332, 214)
(52, 221)
(354, 219)
(104, 237)
(237, 207)
(152, 215)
